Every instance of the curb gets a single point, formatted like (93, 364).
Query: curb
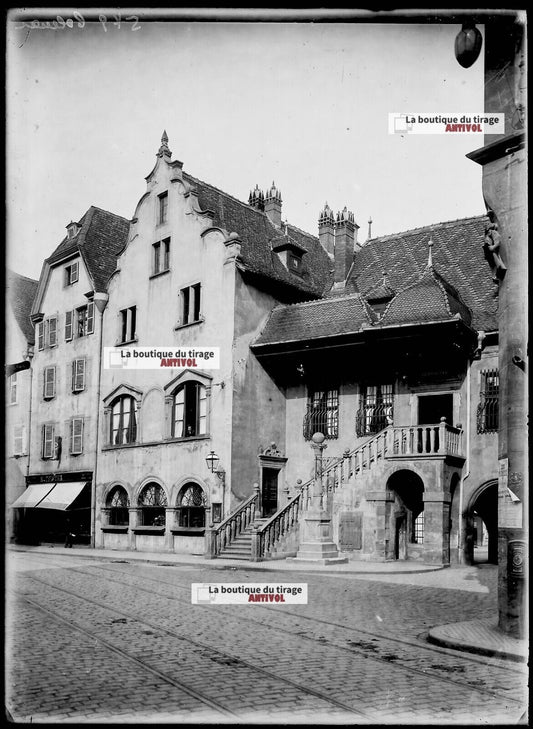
(456, 644)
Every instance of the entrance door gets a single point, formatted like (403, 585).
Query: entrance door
(269, 497)
(400, 537)
(431, 408)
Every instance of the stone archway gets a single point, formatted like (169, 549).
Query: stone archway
(482, 510)
(406, 515)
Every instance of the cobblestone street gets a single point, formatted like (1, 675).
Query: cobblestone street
(97, 641)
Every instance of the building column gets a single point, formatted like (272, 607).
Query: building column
(133, 523)
(169, 523)
(437, 527)
(376, 528)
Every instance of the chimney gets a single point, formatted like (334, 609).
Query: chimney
(273, 205)
(345, 244)
(326, 230)
(257, 199)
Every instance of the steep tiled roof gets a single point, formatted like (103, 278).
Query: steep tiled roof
(100, 239)
(20, 293)
(258, 235)
(457, 256)
(431, 298)
(313, 319)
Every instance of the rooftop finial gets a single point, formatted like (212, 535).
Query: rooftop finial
(164, 151)
(370, 228)
(430, 254)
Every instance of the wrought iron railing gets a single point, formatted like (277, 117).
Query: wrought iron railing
(371, 419)
(321, 420)
(221, 536)
(488, 415)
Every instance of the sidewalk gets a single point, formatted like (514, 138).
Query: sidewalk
(480, 636)
(171, 558)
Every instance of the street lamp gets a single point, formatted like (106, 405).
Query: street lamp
(468, 44)
(212, 461)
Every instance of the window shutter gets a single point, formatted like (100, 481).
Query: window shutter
(90, 318)
(52, 331)
(49, 381)
(76, 435)
(78, 375)
(40, 335)
(19, 437)
(48, 441)
(74, 274)
(68, 325)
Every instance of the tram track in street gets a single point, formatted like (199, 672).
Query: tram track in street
(216, 654)
(367, 653)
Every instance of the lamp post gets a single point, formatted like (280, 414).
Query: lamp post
(212, 461)
(317, 544)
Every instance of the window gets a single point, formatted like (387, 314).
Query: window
(78, 375)
(49, 383)
(84, 320)
(161, 256)
(190, 304)
(152, 505)
(48, 442)
(12, 388)
(19, 440)
(47, 333)
(128, 323)
(376, 411)
(294, 262)
(189, 411)
(419, 529)
(124, 421)
(322, 414)
(487, 411)
(76, 436)
(163, 207)
(71, 273)
(118, 505)
(190, 506)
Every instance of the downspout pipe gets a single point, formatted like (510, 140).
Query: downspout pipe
(460, 536)
(100, 302)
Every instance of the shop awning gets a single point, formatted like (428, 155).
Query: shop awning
(50, 496)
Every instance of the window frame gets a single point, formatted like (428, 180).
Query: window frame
(193, 406)
(19, 437)
(488, 410)
(131, 430)
(191, 305)
(322, 412)
(376, 411)
(72, 271)
(75, 374)
(49, 395)
(128, 324)
(13, 389)
(185, 514)
(73, 435)
(160, 507)
(162, 208)
(115, 511)
(48, 428)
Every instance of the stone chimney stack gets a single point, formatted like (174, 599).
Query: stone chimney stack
(326, 230)
(273, 205)
(257, 199)
(345, 244)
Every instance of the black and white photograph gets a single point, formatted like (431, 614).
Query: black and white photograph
(266, 367)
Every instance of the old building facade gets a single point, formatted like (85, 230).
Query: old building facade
(388, 347)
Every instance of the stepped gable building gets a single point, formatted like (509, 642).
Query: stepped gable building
(20, 292)
(388, 347)
(66, 314)
(200, 269)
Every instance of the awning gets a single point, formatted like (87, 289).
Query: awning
(46, 496)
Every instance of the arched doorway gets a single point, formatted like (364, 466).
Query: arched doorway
(406, 521)
(481, 540)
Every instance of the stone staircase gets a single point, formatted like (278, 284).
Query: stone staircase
(241, 546)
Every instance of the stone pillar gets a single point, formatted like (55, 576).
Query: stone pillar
(169, 523)
(133, 523)
(377, 533)
(437, 527)
(102, 519)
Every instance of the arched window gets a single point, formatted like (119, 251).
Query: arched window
(123, 420)
(152, 503)
(190, 506)
(118, 503)
(189, 410)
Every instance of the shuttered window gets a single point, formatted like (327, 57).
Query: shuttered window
(76, 436)
(49, 383)
(78, 375)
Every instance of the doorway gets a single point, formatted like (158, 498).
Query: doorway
(431, 408)
(269, 491)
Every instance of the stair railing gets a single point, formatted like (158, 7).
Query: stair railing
(221, 536)
(392, 441)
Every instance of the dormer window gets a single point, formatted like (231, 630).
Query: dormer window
(72, 229)
(290, 254)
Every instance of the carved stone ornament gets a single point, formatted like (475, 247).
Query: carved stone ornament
(273, 450)
(491, 248)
